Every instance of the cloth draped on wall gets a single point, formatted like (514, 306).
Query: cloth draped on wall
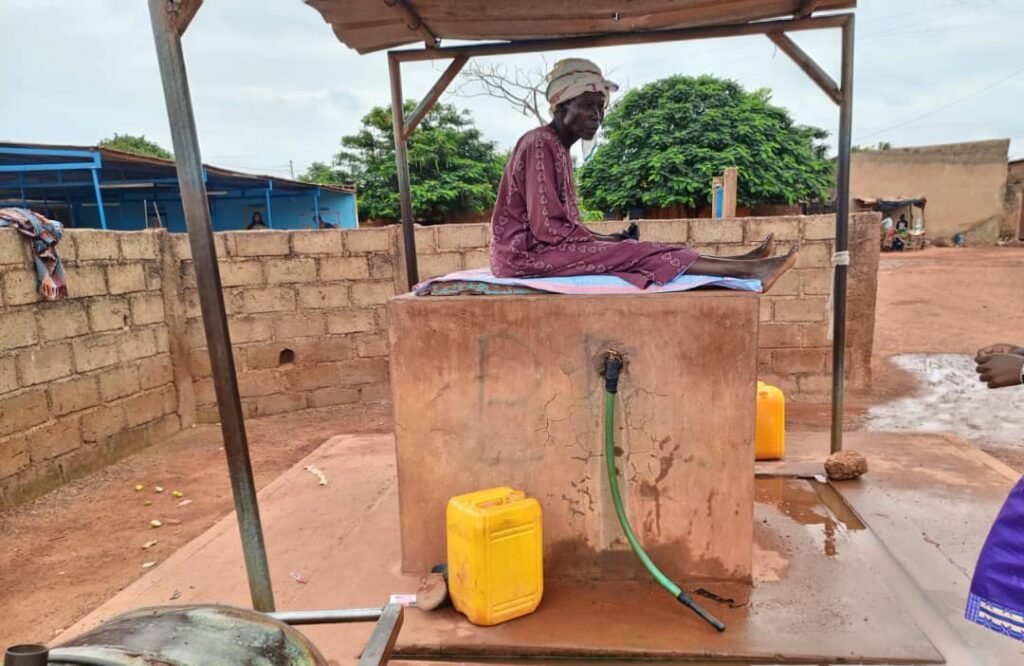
(43, 235)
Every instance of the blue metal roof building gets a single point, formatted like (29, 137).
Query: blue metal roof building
(99, 188)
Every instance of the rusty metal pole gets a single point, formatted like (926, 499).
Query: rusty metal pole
(402, 166)
(839, 279)
(211, 297)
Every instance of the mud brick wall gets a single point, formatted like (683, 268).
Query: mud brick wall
(87, 379)
(794, 350)
(306, 317)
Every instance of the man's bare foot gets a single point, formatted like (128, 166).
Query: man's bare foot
(762, 251)
(772, 269)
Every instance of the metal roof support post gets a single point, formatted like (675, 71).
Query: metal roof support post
(270, 214)
(211, 298)
(316, 208)
(839, 277)
(402, 166)
(99, 197)
(94, 172)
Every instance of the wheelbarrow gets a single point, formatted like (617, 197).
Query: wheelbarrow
(194, 635)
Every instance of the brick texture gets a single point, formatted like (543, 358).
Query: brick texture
(18, 330)
(362, 241)
(58, 321)
(108, 314)
(22, 410)
(85, 280)
(715, 231)
(74, 395)
(125, 278)
(18, 286)
(45, 364)
(344, 268)
(8, 374)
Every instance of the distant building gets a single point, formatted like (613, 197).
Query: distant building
(93, 187)
(965, 185)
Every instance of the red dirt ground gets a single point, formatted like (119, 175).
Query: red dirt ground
(67, 552)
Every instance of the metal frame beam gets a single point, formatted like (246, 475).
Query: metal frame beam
(622, 38)
(808, 65)
(189, 166)
(49, 152)
(55, 166)
(413, 120)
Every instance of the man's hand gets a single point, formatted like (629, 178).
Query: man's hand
(1001, 370)
(999, 348)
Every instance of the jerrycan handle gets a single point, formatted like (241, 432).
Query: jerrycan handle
(498, 497)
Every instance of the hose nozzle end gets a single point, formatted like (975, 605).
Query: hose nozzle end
(688, 601)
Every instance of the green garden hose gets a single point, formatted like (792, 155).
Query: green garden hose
(612, 367)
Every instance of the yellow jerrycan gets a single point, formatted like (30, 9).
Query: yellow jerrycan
(770, 442)
(495, 555)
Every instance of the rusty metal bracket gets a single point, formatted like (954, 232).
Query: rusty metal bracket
(808, 7)
(181, 13)
(413, 21)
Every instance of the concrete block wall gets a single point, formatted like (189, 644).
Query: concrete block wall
(87, 379)
(122, 363)
(306, 318)
(794, 350)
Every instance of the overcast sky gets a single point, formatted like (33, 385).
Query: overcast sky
(271, 83)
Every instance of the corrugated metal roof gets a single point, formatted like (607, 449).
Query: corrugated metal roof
(372, 25)
(113, 157)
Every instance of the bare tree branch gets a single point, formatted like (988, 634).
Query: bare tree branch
(523, 89)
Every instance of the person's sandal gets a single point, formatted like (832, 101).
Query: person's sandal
(433, 591)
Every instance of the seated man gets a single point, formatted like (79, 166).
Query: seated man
(536, 229)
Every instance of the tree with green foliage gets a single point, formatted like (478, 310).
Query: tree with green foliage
(452, 169)
(665, 141)
(138, 145)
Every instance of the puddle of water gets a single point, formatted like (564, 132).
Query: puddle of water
(952, 400)
(831, 522)
(814, 506)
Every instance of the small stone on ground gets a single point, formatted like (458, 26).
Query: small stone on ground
(845, 465)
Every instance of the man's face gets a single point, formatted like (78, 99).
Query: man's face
(584, 114)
